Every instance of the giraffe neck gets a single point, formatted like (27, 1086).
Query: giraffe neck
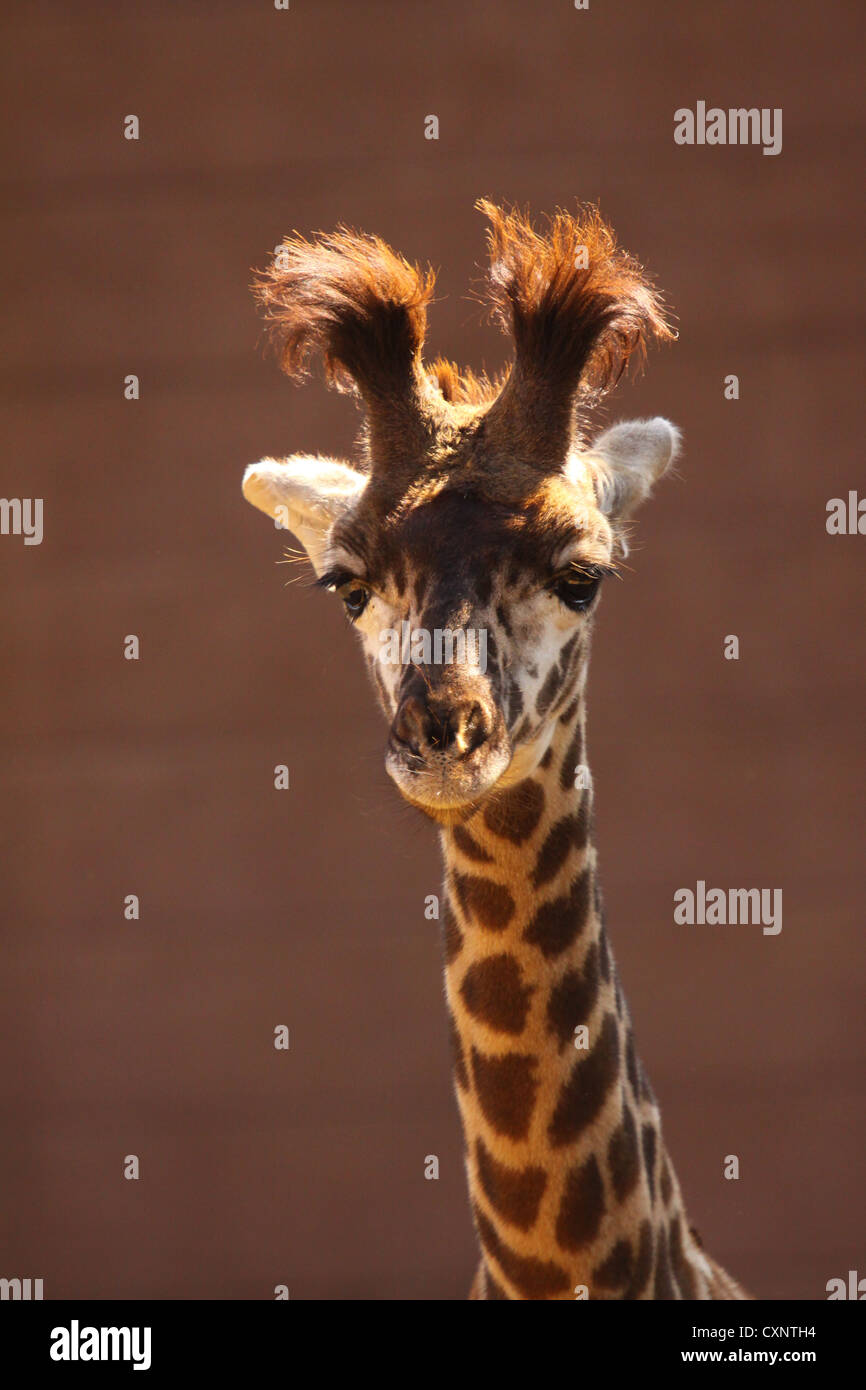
(572, 1191)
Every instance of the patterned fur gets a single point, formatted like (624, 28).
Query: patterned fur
(480, 506)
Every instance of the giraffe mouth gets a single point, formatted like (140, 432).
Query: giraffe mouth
(445, 788)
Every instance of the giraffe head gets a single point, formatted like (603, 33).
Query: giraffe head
(470, 543)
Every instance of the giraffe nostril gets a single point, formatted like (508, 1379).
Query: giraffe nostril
(410, 721)
(472, 727)
(456, 730)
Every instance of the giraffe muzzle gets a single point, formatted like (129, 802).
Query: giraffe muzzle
(446, 751)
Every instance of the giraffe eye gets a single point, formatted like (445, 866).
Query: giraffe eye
(356, 598)
(577, 591)
(352, 591)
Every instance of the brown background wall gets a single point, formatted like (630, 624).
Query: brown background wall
(155, 777)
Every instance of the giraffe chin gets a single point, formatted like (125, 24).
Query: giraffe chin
(447, 795)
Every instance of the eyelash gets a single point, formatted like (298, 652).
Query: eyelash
(335, 578)
(567, 588)
(344, 583)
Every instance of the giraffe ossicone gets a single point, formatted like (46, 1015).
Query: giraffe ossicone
(484, 506)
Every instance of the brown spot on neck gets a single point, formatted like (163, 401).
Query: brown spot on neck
(514, 1193)
(532, 1278)
(514, 814)
(484, 902)
(494, 993)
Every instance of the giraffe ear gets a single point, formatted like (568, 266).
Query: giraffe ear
(305, 495)
(627, 460)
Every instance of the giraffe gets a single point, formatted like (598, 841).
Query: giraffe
(480, 506)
